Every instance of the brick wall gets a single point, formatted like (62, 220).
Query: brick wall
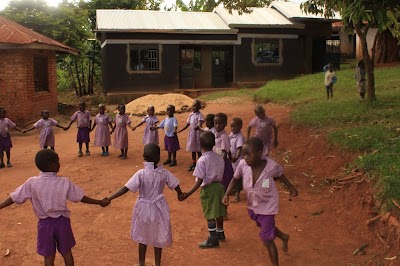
(17, 90)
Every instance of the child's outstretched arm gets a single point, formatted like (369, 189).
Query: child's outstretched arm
(293, 191)
(29, 129)
(138, 125)
(187, 125)
(103, 203)
(179, 192)
(59, 126)
(7, 202)
(119, 193)
(275, 136)
(232, 184)
(194, 188)
(94, 125)
(111, 127)
(238, 154)
(70, 123)
(248, 132)
(19, 129)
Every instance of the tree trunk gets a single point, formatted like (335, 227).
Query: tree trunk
(387, 48)
(71, 73)
(79, 79)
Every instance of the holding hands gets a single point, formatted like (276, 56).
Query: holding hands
(105, 202)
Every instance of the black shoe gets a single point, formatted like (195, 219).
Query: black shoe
(167, 162)
(209, 243)
(192, 167)
(2, 165)
(221, 236)
(173, 163)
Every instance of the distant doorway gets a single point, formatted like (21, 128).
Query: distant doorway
(222, 67)
(186, 63)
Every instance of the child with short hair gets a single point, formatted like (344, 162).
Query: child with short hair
(263, 125)
(223, 146)
(209, 121)
(84, 123)
(45, 125)
(209, 172)
(49, 193)
(149, 136)
(151, 223)
(121, 121)
(236, 140)
(195, 121)
(5, 139)
(259, 172)
(102, 136)
(330, 79)
(171, 141)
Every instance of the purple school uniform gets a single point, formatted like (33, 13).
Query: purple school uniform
(49, 193)
(150, 136)
(121, 133)
(263, 130)
(102, 136)
(83, 120)
(262, 198)
(151, 223)
(46, 138)
(222, 143)
(236, 141)
(193, 141)
(5, 139)
(171, 140)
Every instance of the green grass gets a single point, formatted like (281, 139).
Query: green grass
(372, 130)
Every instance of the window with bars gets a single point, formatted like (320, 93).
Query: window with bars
(266, 51)
(144, 57)
(41, 74)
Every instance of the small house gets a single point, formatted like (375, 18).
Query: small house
(28, 81)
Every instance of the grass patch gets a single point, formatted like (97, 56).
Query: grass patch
(371, 130)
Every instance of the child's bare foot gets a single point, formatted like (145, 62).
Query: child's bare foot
(237, 198)
(121, 155)
(285, 240)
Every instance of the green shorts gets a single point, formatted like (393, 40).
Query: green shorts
(211, 201)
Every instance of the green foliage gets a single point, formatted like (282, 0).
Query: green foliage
(209, 5)
(63, 80)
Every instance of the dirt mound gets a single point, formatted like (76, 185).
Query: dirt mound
(139, 106)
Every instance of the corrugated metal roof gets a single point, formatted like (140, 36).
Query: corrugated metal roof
(12, 33)
(259, 17)
(293, 10)
(159, 21)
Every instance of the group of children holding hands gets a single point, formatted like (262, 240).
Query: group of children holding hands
(221, 164)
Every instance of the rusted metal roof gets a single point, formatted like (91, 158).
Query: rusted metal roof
(160, 21)
(259, 17)
(293, 10)
(14, 35)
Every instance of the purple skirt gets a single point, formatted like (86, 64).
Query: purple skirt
(5, 143)
(266, 224)
(228, 174)
(171, 143)
(83, 135)
(54, 233)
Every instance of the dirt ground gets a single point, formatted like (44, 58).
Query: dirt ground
(102, 235)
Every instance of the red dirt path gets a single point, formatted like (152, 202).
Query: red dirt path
(103, 234)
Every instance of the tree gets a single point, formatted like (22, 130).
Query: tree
(209, 5)
(360, 16)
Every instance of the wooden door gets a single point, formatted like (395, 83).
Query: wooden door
(186, 80)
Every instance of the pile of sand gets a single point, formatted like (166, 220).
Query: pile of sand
(160, 102)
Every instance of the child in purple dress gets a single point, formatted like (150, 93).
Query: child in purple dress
(259, 172)
(263, 126)
(209, 172)
(195, 121)
(121, 121)
(45, 125)
(149, 136)
(171, 141)
(5, 139)
(223, 146)
(49, 193)
(84, 123)
(102, 136)
(236, 140)
(151, 223)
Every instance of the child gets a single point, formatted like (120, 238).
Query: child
(45, 124)
(151, 223)
(84, 122)
(5, 139)
(195, 121)
(258, 174)
(49, 193)
(102, 136)
(223, 146)
(171, 141)
(149, 136)
(236, 140)
(209, 172)
(263, 126)
(121, 134)
(209, 120)
(360, 76)
(330, 79)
